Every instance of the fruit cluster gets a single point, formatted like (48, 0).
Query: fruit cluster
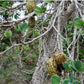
(54, 64)
(30, 5)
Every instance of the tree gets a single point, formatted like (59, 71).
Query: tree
(51, 30)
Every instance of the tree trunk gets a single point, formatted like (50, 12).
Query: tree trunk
(49, 45)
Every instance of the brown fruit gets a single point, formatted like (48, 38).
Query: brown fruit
(31, 22)
(30, 7)
(52, 67)
(60, 58)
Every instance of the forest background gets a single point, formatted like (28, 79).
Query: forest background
(24, 49)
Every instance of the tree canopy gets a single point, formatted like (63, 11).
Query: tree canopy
(35, 31)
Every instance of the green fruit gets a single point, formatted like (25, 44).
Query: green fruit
(52, 67)
(30, 6)
(60, 58)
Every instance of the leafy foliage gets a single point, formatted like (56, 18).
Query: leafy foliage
(48, 1)
(66, 66)
(39, 10)
(79, 23)
(81, 69)
(43, 8)
(76, 82)
(71, 77)
(77, 64)
(74, 66)
(8, 33)
(55, 79)
(21, 28)
(4, 3)
(30, 53)
(66, 81)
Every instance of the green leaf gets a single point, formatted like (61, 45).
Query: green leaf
(66, 66)
(82, 31)
(21, 27)
(8, 33)
(55, 79)
(18, 28)
(78, 22)
(24, 26)
(26, 47)
(77, 82)
(16, 16)
(4, 4)
(43, 8)
(48, 1)
(66, 81)
(1, 2)
(38, 10)
(69, 83)
(71, 77)
(72, 68)
(18, 50)
(81, 69)
(67, 76)
(77, 64)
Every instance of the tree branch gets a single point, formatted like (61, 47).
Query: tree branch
(11, 8)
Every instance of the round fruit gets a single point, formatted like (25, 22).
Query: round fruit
(60, 58)
(31, 22)
(30, 5)
(52, 67)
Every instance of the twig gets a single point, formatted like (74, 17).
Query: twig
(11, 8)
(15, 45)
(11, 23)
(24, 43)
(73, 48)
(38, 36)
(73, 42)
(58, 32)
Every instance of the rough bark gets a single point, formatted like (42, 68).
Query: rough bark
(49, 45)
(49, 42)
